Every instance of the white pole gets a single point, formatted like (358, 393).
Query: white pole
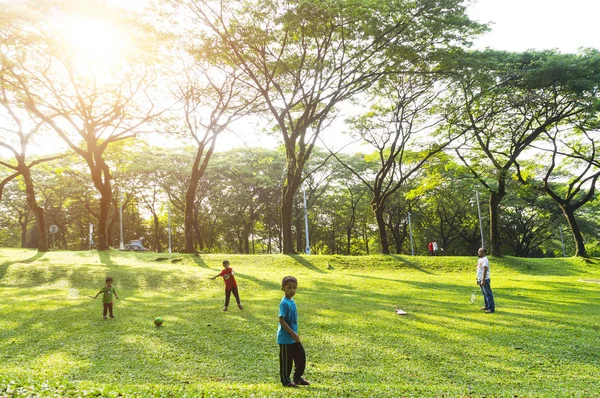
(169, 225)
(412, 248)
(121, 246)
(562, 242)
(91, 240)
(480, 223)
(307, 250)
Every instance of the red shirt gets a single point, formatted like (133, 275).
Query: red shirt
(227, 275)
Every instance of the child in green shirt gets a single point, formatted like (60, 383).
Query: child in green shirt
(107, 299)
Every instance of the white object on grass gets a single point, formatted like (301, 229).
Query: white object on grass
(73, 293)
(473, 298)
(400, 312)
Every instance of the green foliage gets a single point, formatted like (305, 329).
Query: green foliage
(541, 342)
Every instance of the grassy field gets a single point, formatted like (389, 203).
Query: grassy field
(543, 341)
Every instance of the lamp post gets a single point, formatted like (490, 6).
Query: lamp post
(307, 250)
(562, 242)
(480, 223)
(169, 225)
(121, 246)
(412, 248)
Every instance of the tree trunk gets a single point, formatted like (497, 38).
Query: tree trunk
(38, 212)
(287, 210)
(157, 234)
(24, 222)
(198, 234)
(188, 221)
(495, 199)
(379, 214)
(105, 199)
(575, 231)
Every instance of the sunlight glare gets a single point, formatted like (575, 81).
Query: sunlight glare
(97, 46)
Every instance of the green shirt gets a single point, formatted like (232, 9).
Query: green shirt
(108, 294)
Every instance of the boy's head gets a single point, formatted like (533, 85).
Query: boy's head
(481, 252)
(225, 264)
(289, 285)
(109, 280)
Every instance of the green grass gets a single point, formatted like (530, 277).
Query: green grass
(542, 342)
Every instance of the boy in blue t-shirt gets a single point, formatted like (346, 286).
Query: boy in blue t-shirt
(290, 348)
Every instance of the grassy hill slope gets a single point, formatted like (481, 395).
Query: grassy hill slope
(543, 340)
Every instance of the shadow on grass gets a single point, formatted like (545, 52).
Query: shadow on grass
(4, 266)
(551, 267)
(302, 261)
(199, 261)
(268, 285)
(409, 264)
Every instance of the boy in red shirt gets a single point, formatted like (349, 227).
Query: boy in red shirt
(230, 285)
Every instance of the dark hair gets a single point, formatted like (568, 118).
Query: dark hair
(109, 278)
(288, 279)
(225, 262)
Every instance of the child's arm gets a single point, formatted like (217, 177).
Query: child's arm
(96, 296)
(116, 295)
(288, 329)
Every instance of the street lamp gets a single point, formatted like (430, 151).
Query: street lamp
(412, 248)
(121, 246)
(169, 225)
(307, 250)
(480, 223)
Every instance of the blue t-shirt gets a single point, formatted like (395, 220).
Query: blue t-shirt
(287, 309)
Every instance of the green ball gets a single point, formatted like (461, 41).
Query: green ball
(158, 321)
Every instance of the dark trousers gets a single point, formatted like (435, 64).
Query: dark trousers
(228, 296)
(488, 297)
(291, 354)
(107, 308)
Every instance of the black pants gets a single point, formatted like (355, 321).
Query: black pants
(288, 354)
(228, 296)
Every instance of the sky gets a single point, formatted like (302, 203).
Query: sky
(516, 25)
(519, 25)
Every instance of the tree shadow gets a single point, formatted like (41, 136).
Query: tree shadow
(410, 264)
(199, 261)
(305, 263)
(4, 266)
(105, 259)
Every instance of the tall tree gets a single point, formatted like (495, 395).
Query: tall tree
(572, 172)
(507, 100)
(398, 127)
(86, 107)
(306, 57)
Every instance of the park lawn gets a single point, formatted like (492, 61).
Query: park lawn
(543, 341)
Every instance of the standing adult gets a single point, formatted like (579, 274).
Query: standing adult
(483, 280)
(430, 248)
(435, 248)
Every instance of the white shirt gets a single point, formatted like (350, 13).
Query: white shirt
(481, 264)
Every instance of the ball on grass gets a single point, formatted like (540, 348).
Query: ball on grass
(158, 321)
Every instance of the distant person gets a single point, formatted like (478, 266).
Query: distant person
(290, 348)
(435, 248)
(107, 300)
(230, 285)
(430, 248)
(483, 280)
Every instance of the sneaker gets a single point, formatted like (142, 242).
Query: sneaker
(483, 309)
(225, 309)
(104, 317)
(291, 384)
(302, 382)
(240, 307)
(112, 317)
(489, 311)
